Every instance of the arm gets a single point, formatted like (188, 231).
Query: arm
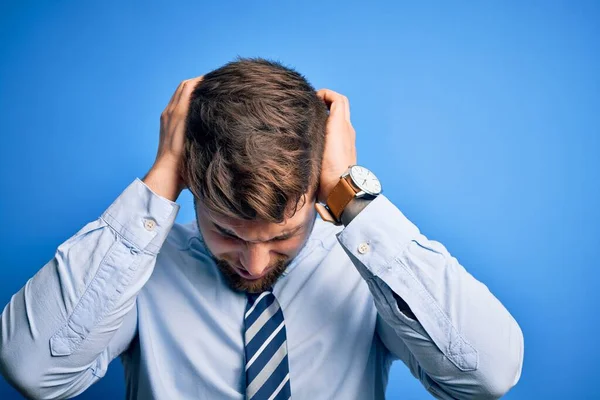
(452, 333)
(61, 330)
(446, 326)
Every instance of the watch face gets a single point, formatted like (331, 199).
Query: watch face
(365, 180)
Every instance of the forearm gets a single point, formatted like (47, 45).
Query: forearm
(163, 180)
(461, 336)
(55, 332)
(350, 212)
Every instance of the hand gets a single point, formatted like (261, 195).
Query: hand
(165, 177)
(340, 142)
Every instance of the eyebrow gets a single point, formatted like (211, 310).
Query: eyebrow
(284, 235)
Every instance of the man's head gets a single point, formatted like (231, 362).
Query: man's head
(254, 145)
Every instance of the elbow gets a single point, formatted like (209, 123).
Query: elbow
(20, 377)
(31, 386)
(17, 365)
(17, 368)
(27, 378)
(499, 370)
(506, 372)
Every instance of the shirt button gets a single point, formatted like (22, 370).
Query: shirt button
(149, 224)
(363, 248)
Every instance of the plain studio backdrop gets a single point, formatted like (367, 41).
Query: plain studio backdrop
(480, 118)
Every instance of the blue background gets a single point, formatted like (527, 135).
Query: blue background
(481, 119)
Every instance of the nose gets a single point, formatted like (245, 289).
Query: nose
(255, 258)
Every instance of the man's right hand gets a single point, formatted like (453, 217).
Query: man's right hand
(165, 178)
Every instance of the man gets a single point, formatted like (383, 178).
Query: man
(258, 298)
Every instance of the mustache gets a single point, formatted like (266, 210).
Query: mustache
(278, 262)
(240, 284)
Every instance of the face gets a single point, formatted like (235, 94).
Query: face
(252, 255)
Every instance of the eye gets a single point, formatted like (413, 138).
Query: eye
(227, 235)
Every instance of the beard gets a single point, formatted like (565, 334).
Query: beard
(241, 284)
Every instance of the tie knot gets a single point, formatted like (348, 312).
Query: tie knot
(253, 296)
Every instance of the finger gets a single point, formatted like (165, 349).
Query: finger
(175, 95)
(187, 87)
(347, 108)
(339, 106)
(180, 90)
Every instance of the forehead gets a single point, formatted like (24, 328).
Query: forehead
(250, 228)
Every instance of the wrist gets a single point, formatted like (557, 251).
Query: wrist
(354, 208)
(324, 191)
(165, 182)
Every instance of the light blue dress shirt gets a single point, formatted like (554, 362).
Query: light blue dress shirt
(136, 285)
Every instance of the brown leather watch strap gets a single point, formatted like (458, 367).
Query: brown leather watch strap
(339, 197)
(326, 214)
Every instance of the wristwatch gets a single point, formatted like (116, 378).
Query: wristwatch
(356, 182)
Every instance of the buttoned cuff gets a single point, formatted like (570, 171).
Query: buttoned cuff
(377, 235)
(142, 217)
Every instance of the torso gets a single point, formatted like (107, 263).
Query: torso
(190, 326)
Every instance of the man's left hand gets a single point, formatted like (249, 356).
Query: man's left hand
(340, 142)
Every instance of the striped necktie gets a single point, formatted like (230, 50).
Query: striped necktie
(267, 368)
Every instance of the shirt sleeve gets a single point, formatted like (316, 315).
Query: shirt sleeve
(462, 342)
(61, 330)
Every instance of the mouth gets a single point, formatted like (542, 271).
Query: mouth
(249, 277)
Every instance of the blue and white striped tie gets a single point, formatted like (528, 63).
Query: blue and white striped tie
(267, 368)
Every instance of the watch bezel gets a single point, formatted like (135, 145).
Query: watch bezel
(362, 190)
